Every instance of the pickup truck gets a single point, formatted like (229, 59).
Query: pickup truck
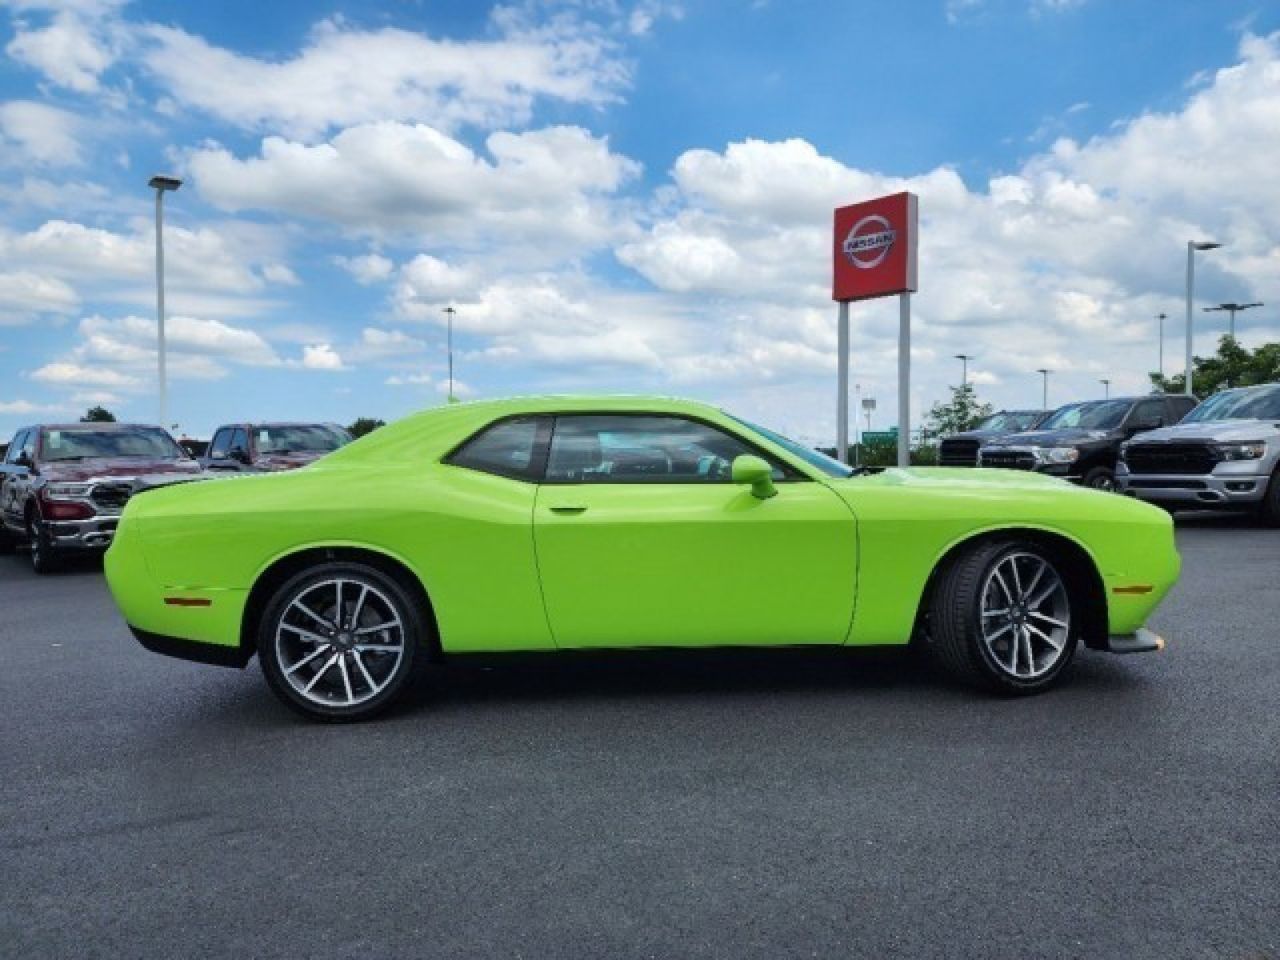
(270, 447)
(64, 486)
(1081, 441)
(961, 449)
(1224, 455)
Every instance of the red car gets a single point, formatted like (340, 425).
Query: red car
(63, 486)
(268, 447)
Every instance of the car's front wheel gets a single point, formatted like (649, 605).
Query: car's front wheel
(1001, 617)
(44, 558)
(341, 641)
(1100, 478)
(1269, 509)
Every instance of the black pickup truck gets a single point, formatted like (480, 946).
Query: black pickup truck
(961, 449)
(63, 486)
(1081, 441)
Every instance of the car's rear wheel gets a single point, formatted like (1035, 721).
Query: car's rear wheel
(1001, 617)
(1100, 478)
(341, 641)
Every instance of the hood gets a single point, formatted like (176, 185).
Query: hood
(977, 435)
(1220, 431)
(1067, 437)
(126, 467)
(287, 461)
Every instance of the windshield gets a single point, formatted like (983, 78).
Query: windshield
(300, 438)
(831, 467)
(1098, 415)
(1247, 403)
(1011, 421)
(84, 443)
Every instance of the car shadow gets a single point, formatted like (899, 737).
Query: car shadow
(1216, 520)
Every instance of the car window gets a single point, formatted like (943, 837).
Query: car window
(221, 444)
(508, 448)
(300, 438)
(1176, 408)
(85, 443)
(601, 448)
(1096, 415)
(15, 448)
(1242, 403)
(240, 439)
(1148, 411)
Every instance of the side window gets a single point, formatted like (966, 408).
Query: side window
(221, 444)
(29, 444)
(240, 439)
(15, 448)
(599, 448)
(1146, 412)
(508, 448)
(1177, 408)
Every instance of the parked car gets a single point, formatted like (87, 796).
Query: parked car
(961, 449)
(1225, 454)
(63, 486)
(1081, 441)
(544, 524)
(268, 447)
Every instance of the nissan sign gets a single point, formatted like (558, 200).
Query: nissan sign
(875, 248)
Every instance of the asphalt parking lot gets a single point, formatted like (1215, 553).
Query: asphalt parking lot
(792, 805)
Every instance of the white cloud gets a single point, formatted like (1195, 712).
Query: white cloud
(24, 295)
(368, 268)
(64, 373)
(71, 50)
(281, 274)
(346, 76)
(411, 379)
(23, 407)
(321, 356)
(542, 187)
(38, 133)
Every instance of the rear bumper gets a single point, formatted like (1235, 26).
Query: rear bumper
(1212, 490)
(215, 653)
(1141, 640)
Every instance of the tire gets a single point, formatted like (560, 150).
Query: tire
(1269, 509)
(44, 558)
(1100, 478)
(362, 671)
(971, 586)
(6, 540)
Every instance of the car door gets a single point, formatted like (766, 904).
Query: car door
(643, 539)
(216, 459)
(1146, 415)
(10, 506)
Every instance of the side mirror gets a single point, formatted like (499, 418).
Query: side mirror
(239, 454)
(755, 473)
(1142, 425)
(22, 460)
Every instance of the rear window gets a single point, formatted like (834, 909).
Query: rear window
(506, 449)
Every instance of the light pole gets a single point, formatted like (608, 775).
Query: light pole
(1162, 317)
(964, 359)
(1044, 398)
(1192, 247)
(449, 312)
(1106, 388)
(1232, 309)
(161, 184)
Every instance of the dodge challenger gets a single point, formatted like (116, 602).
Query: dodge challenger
(578, 523)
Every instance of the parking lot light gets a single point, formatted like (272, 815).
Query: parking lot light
(1192, 247)
(162, 184)
(1044, 396)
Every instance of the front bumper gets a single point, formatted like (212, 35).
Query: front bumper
(95, 533)
(1223, 489)
(217, 654)
(1141, 640)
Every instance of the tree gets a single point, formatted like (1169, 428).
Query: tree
(364, 425)
(963, 412)
(1232, 366)
(98, 415)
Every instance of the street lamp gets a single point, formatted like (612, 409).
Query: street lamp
(449, 312)
(1044, 400)
(964, 359)
(1232, 309)
(1192, 247)
(161, 184)
(1162, 317)
(1106, 388)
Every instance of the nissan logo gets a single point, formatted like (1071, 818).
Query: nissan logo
(868, 243)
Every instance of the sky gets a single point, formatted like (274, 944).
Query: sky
(624, 196)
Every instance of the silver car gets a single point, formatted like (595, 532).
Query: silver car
(1225, 454)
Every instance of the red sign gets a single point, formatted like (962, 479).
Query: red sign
(875, 248)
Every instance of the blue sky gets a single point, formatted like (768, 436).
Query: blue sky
(623, 195)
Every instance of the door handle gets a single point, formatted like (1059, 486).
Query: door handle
(567, 510)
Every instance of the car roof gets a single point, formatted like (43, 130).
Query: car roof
(91, 425)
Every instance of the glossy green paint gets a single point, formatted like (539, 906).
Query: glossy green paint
(755, 473)
(511, 565)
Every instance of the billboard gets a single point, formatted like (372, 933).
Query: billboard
(875, 248)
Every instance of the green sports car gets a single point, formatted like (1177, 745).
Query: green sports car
(572, 523)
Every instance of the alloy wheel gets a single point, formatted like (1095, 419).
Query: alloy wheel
(1026, 615)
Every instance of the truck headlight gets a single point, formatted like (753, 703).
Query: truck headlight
(1249, 450)
(1057, 454)
(66, 491)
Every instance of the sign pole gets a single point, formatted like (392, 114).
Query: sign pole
(842, 384)
(904, 379)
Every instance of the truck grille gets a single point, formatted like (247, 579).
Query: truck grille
(111, 496)
(1008, 459)
(958, 452)
(1192, 459)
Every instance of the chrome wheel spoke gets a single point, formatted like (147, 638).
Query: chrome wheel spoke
(321, 672)
(1056, 645)
(1031, 587)
(1048, 619)
(304, 634)
(1002, 612)
(365, 631)
(355, 614)
(378, 647)
(373, 686)
(346, 679)
(305, 660)
(312, 614)
(1008, 594)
